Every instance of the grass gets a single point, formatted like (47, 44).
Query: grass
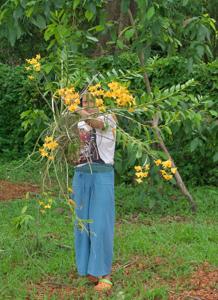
(159, 243)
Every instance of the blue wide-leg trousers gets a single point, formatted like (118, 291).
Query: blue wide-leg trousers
(94, 197)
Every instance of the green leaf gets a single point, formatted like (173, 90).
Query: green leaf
(75, 4)
(200, 50)
(18, 13)
(91, 38)
(168, 130)
(24, 209)
(39, 22)
(47, 68)
(97, 28)
(194, 144)
(12, 35)
(89, 15)
(120, 44)
(215, 157)
(29, 12)
(150, 13)
(142, 3)
(49, 32)
(139, 152)
(129, 33)
(213, 113)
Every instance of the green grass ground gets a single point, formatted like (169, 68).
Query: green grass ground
(159, 243)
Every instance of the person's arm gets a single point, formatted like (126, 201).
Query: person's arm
(94, 123)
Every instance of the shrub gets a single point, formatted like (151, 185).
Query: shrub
(17, 95)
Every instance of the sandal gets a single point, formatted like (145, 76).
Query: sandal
(92, 278)
(103, 285)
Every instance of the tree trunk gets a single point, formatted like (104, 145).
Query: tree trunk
(113, 13)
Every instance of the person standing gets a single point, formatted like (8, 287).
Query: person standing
(93, 192)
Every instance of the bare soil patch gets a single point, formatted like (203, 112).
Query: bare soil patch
(203, 285)
(10, 191)
(51, 289)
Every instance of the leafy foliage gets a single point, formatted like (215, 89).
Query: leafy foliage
(17, 95)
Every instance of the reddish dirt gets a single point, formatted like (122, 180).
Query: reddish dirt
(9, 190)
(203, 285)
(49, 290)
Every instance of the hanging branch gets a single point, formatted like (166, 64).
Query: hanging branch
(155, 123)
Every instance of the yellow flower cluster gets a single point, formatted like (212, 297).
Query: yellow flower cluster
(167, 167)
(116, 91)
(98, 93)
(45, 205)
(31, 77)
(48, 147)
(166, 172)
(34, 64)
(120, 94)
(96, 90)
(71, 98)
(141, 172)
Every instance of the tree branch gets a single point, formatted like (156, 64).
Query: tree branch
(155, 122)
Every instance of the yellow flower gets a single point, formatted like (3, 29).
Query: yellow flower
(99, 102)
(38, 56)
(158, 162)
(47, 206)
(139, 174)
(77, 101)
(48, 139)
(173, 170)
(108, 94)
(163, 172)
(67, 100)
(41, 203)
(37, 67)
(43, 152)
(72, 107)
(94, 88)
(167, 176)
(61, 92)
(120, 94)
(138, 168)
(144, 174)
(131, 109)
(70, 190)
(102, 108)
(51, 157)
(147, 167)
(139, 180)
(30, 77)
(71, 202)
(51, 145)
(27, 68)
(32, 61)
(167, 164)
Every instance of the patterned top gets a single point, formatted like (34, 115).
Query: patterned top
(97, 145)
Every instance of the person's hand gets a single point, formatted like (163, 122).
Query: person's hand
(81, 111)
